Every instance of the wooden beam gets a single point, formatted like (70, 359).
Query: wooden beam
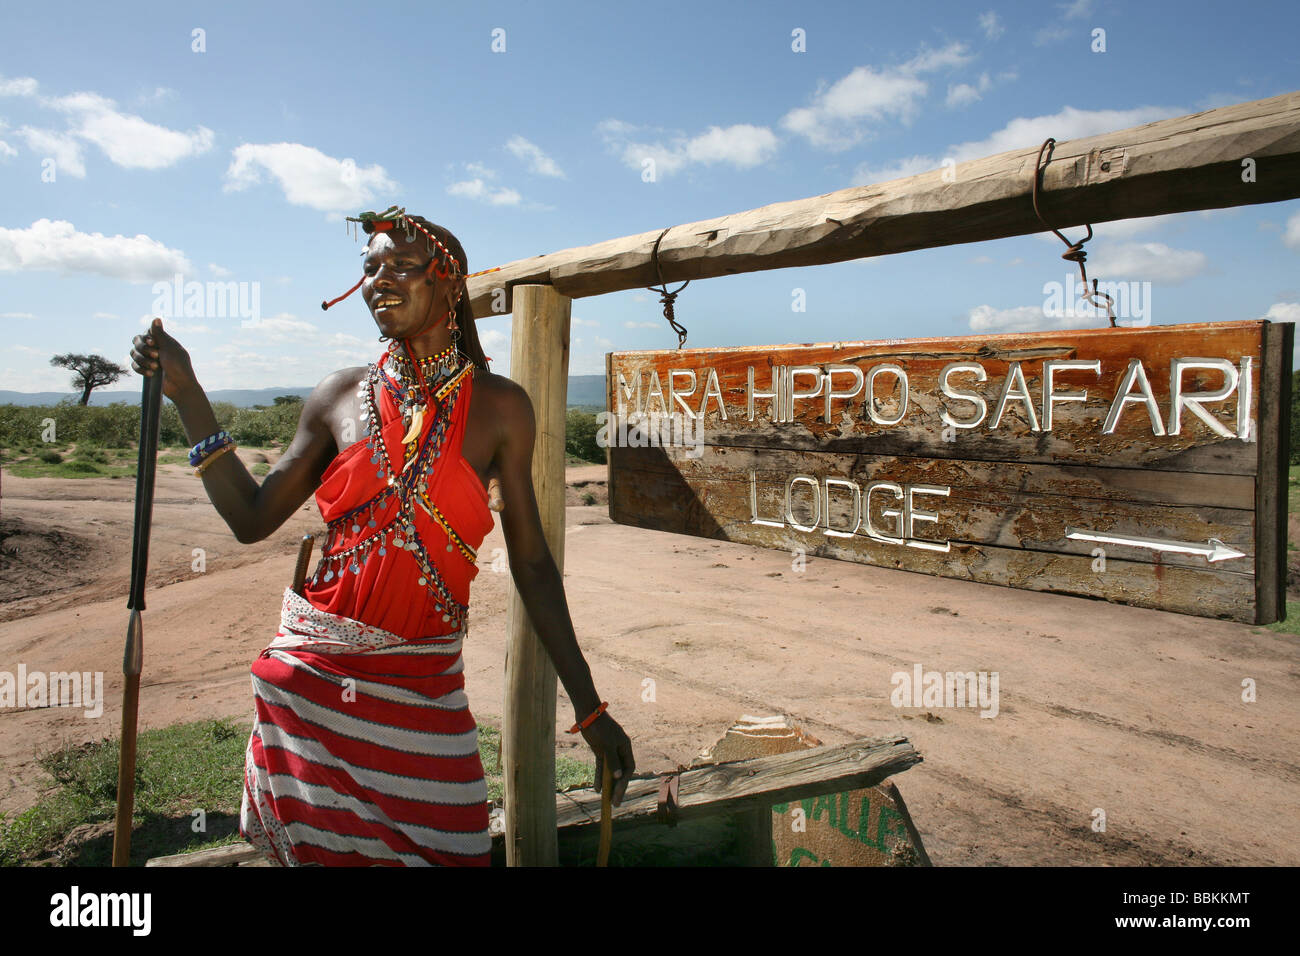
(539, 361)
(1176, 165)
(744, 785)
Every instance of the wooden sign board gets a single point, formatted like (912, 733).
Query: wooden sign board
(1145, 466)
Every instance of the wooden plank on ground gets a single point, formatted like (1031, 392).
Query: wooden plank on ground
(730, 788)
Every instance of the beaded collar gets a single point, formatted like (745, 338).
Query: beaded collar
(407, 481)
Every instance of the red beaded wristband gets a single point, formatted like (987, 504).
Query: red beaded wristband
(590, 720)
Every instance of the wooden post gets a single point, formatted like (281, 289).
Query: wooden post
(539, 361)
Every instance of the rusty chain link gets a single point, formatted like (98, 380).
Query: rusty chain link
(1075, 251)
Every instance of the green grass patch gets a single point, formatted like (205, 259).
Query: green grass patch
(1292, 623)
(179, 769)
(568, 772)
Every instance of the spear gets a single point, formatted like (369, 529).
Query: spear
(133, 656)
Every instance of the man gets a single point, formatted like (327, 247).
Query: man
(364, 750)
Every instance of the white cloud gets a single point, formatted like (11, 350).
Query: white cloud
(963, 94)
(643, 325)
(1069, 123)
(1147, 261)
(159, 94)
(991, 25)
(494, 339)
(1049, 35)
(6, 150)
(61, 147)
(219, 271)
(538, 161)
(834, 120)
(127, 140)
(20, 86)
(1292, 235)
(16, 315)
(307, 176)
(910, 166)
(1122, 228)
(1076, 9)
(1020, 133)
(280, 328)
(59, 246)
(1025, 318)
(104, 315)
(1283, 312)
(592, 322)
(477, 189)
(742, 146)
(840, 116)
(927, 61)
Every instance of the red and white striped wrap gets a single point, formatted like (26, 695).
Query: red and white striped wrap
(363, 750)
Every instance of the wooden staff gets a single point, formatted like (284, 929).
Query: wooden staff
(133, 656)
(606, 815)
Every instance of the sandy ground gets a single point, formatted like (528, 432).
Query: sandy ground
(1134, 712)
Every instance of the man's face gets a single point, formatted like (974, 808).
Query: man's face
(402, 302)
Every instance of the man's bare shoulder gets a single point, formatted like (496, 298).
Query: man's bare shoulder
(330, 390)
(504, 393)
(344, 377)
(507, 403)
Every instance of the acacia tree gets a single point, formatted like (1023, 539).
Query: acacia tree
(89, 371)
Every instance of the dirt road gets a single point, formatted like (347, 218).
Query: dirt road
(1135, 713)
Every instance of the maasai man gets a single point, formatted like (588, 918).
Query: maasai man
(364, 750)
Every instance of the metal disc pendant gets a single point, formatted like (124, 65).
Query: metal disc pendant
(423, 581)
(382, 552)
(329, 576)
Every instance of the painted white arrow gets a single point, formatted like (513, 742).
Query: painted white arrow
(1215, 550)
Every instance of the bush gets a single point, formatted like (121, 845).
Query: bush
(580, 437)
(50, 457)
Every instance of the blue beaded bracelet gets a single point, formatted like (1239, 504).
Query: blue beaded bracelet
(208, 446)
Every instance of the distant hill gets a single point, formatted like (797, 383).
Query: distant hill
(583, 390)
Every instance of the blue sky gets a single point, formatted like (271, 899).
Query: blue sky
(128, 157)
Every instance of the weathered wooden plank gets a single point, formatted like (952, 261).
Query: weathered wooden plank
(1021, 433)
(1146, 471)
(1176, 165)
(232, 854)
(1187, 590)
(1007, 504)
(744, 785)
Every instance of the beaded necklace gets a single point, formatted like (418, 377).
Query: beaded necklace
(409, 483)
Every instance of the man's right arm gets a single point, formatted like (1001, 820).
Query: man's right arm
(255, 511)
